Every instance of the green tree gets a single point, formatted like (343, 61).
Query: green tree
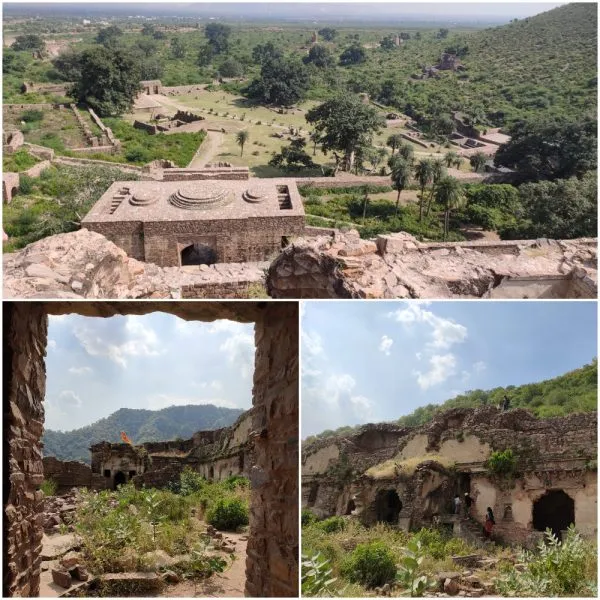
(551, 150)
(424, 175)
(478, 161)
(217, 35)
(406, 151)
(148, 29)
(344, 123)
(178, 48)
(449, 194)
(328, 33)
(282, 82)
(109, 80)
(387, 43)
(231, 68)
(147, 46)
(450, 158)
(438, 170)
(401, 174)
(293, 156)
(320, 56)
(205, 55)
(29, 42)
(394, 141)
(68, 64)
(241, 138)
(109, 36)
(263, 53)
(353, 55)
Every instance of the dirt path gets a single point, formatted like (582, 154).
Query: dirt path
(229, 584)
(208, 149)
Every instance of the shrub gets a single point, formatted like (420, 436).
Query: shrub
(332, 524)
(502, 463)
(190, 482)
(235, 481)
(32, 116)
(370, 565)
(316, 576)
(410, 565)
(308, 517)
(228, 514)
(25, 184)
(49, 487)
(137, 154)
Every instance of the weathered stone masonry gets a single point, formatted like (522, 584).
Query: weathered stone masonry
(272, 559)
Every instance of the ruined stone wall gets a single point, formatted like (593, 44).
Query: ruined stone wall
(10, 185)
(24, 386)
(272, 563)
(193, 174)
(67, 473)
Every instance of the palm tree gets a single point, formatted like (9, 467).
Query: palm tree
(424, 175)
(407, 152)
(438, 169)
(241, 138)
(449, 193)
(401, 172)
(458, 161)
(315, 138)
(450, 158)
(394, 141)
(478, 161)
(365, 202)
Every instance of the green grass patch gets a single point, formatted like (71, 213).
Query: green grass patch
(19, 161)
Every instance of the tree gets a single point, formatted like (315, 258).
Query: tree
(387, 43)
(109, 80)
(148, 29)
(450, 158)
(320, 56)
(478, 161)
(217, 35)
(231, 68)
(394, 141)
(353, 55)
(551, 150)
(442, 33)
(401, 173)
(438, 171)
(282, 82)
(406, 151)
(424, 175)
(68, 65)
(205, 55)
(263, 53)
(315, 138)
(328, 33)
(108, 36)
(241, 138)
(29, 42)
(147, 46)
(293, 156)
(178, 49)
(449, 193)
(344, 123)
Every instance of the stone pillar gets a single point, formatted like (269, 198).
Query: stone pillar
(25, 338)
(272, 559)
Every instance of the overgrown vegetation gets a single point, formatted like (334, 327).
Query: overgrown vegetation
(49, 487)
(502, 463)
(19, 161)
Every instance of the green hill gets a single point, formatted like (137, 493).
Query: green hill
(573, 392)
(140, 425)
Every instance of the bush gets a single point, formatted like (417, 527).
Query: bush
(502, 463)
(25, 184)
(332, 524)
(49, 487)
(189, 483)
(228, 514)
(32, 116)
(316, 576)
(236, 481)
(21, 160)
(308, 517)
(371, 565)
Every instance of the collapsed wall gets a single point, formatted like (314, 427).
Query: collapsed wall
(409, 475)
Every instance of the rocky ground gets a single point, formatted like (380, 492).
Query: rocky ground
(65, 574)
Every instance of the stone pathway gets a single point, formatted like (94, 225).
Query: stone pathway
(207, 150)
(57, 545)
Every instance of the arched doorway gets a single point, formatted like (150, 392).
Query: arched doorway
(387, 506)
(198, 254)
(211, 473)
(351, 507)
(556, 510)
(120, 479)
(312, 494)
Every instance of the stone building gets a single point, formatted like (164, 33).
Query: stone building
(407, 476)
(272, 554)
(178, 223)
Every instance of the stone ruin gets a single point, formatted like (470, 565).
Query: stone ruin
(272, 554)
(408, 476)
(160, 125)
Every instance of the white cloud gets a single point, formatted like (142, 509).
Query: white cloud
(418, 355)
(158, 401)
(52, 344)
(479, 366)
(312, 343)
(69, 399)
(441, 368)
(138, 340)
(80, 370)
(385, 345)
(444, 332)
(239, 348)
(206, 385)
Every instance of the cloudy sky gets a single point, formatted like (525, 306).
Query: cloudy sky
(96, 366)
(376, 361)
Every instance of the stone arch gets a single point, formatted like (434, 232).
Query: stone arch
(119, 479)
(387, 506)
(198, 254)
(350, 507)
(554, 510)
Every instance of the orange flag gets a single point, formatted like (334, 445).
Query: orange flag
(125, 438)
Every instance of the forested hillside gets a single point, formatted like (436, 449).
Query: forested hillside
(141, 426)
(575, 391)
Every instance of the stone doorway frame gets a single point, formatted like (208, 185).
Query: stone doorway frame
(273, 546)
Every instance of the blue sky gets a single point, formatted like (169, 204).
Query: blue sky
(376, 361)
(96, 366)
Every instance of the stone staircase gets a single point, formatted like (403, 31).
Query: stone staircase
(471, 531)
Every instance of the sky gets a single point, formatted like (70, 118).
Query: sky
(391, 12)
(367, 362)
(95, 366)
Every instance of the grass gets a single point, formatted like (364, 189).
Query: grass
(19, 161)
(394, 468)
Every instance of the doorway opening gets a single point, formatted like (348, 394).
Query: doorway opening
(554, 510)
(387, 506)
(120, 479)
(198, 254)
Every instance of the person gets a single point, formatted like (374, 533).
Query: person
(468, 504)
(489, 523)
(506, 403)
(457, 504)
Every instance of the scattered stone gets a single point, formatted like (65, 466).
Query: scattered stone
(79, 573)
(171, 577)
(451, 587)
(70, 559)
(62, 578)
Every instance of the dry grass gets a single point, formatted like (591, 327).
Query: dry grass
(395, 466)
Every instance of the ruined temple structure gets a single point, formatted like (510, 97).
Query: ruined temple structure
(407, 476)
(272, 554)
(179, 223)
